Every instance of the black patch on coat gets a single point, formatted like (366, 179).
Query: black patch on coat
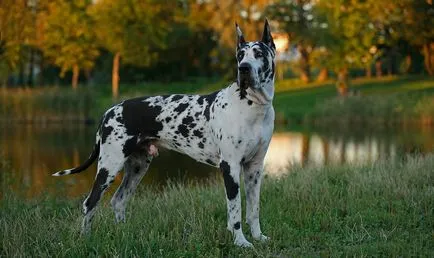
(140, 118)
(198, 133)
(230, 185)
(237, 225)
(243, 92)
(130, 146)
(105, 131)
(168, 119)
(200, 144)
(210, 101)
(210, 162)
(98, 187)
(183, 130)
(188, 120)
(181, 108)
(176, 97)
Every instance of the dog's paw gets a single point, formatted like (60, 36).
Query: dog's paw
(262, 238)
(243, 243)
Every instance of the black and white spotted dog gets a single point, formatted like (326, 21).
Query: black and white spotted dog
(230, 129)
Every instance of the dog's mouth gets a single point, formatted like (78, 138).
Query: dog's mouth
(246, 81)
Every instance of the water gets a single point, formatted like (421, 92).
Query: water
(32, 153)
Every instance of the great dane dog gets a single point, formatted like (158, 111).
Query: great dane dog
(230, 129)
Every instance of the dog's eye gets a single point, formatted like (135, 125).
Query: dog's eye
(240, 56)
(258, 54)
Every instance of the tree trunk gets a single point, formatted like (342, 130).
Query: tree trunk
(75, 74)
(21, 75)
(407, 64)
(31, 67)
(304, 64)
(115, 75)
(342, 82)
(427, 59)
(40, 80)
(368, 71)
(378, 68)
(323, 75)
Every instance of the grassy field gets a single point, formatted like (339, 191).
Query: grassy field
(385, 209)
(378, 101)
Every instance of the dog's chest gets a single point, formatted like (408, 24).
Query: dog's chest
(242, 129)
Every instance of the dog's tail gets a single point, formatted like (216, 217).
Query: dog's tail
(83, 166)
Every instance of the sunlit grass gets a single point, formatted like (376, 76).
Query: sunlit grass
(388, 100)
(385, 209)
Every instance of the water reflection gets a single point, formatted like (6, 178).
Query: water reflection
(289, 149)
(33, 153)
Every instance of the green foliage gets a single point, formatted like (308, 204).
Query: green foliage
(384, 209)
(133, 28)
(350, 33)
(68, 34)
(15, 31)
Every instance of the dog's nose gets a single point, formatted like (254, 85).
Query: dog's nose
(244, 68)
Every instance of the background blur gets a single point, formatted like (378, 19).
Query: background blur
(354, 81)
(59, 42)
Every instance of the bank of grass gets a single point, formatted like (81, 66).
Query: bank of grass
(377, 102)
(385, 209)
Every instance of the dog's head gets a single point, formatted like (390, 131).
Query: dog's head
(255, 60)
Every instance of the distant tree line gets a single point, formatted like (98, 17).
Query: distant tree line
(133, 41)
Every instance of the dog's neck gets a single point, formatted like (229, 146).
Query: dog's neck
(262, 94)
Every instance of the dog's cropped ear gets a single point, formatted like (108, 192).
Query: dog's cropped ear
(240, 36)
(266, 36)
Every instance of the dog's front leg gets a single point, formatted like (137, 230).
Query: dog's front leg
(231, 176)
(252, 182)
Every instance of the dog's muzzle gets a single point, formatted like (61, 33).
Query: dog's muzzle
(245, 77)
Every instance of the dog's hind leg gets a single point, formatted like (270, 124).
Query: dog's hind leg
(135, 168)
(110, 162)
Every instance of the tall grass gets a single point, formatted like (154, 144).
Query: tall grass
(374, 111)
(45, 105)
(385, 209)
(54, 104)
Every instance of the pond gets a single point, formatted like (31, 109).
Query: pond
(30, 154)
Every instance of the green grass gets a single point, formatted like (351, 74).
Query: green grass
(385, 209)
(379, 98)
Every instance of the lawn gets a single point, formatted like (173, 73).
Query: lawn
(385, 209)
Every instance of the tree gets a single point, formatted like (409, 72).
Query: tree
(132, 30)
(298, 19)
(350, 36)
(417, 27)
(15, 31)
(221, 16)
(68, 37)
